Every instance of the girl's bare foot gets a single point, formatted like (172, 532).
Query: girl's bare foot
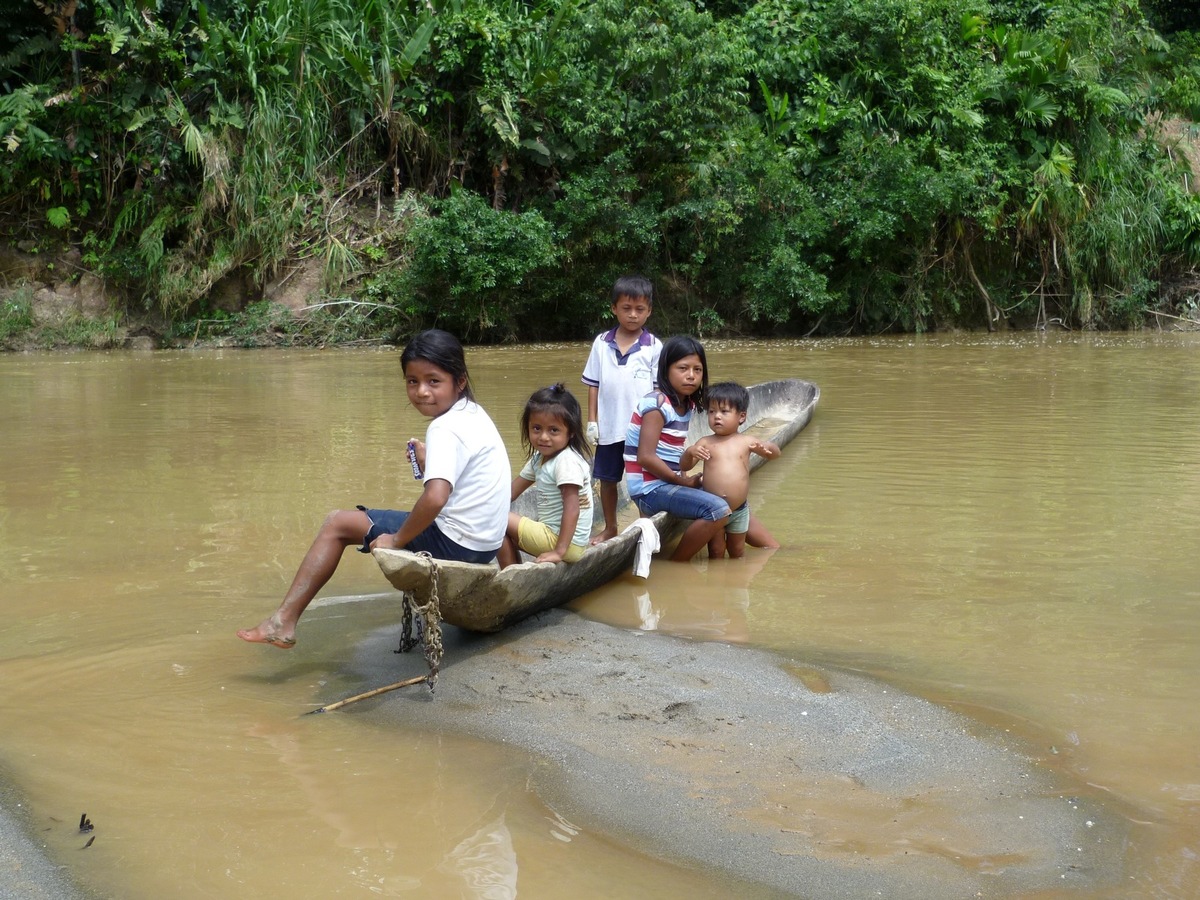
(606, 535)
(269, 632)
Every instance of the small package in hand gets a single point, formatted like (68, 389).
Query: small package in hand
(412, 458)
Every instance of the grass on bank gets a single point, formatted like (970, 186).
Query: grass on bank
(267, 324)
(20, 329)
(336, 322)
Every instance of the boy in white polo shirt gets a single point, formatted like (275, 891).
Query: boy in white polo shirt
(620, 370)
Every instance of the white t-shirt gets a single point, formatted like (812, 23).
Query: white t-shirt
(565, 467)
(463, 447)
(621, 381)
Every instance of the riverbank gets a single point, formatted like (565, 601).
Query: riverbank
(47, 302)
(784, 778)
(26, 872)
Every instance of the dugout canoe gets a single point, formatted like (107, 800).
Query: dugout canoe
(485, 598)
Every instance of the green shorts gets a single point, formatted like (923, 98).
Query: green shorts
(739, 520)
(535, 539)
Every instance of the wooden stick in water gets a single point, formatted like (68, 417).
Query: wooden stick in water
(366, 696)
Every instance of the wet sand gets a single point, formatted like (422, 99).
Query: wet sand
(26, 872)
(788, 779)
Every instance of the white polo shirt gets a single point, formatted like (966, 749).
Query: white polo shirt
(622, 380)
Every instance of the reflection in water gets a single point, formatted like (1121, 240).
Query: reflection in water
(1007, 524)
(373, 853)
(714, 607)
(483, 863)
(486, 863)
(561, 829)
(646, 612)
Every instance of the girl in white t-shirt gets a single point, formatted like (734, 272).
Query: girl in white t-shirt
(463, 508)
(552, 432)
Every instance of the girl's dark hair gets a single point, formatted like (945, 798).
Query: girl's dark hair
(674, 349)
(556, 401)
(443, 350)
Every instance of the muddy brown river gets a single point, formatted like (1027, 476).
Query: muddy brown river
(1008, 526)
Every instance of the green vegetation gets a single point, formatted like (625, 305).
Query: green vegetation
(490, 166)
(266, 324)
(16, 316)
(19, 328)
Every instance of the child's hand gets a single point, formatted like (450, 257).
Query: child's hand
(700, 451)
(593, 433)
(419, 449)
(384, 542)
(550, 556)
(765, 449)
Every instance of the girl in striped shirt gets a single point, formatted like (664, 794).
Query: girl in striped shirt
(655, 442)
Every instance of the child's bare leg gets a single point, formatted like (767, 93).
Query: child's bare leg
(758, 535)
(716, 546)
(698, 534)
(510, 552)
(735, 544)
(507, 553)
(341, 529)
(608, 503)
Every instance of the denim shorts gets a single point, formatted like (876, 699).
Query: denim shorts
(431, 540)
(608, 464)
(685, 502)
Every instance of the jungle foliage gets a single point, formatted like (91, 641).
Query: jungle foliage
(490, 166)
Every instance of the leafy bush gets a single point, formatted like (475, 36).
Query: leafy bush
(775, 165)
(474, 269)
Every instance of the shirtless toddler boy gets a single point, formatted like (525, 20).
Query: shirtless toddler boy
(726, 456)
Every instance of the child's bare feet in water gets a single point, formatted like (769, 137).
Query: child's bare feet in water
(606, 535)
(272, 632)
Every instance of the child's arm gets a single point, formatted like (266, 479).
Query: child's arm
(566, 528)
(519, 486)
(593, 428)
(694, 454)
(647, 455)
(425, 510)
(765, 449)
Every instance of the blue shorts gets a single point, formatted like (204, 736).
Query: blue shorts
(685, 502)
(431, 540)
(608, 464)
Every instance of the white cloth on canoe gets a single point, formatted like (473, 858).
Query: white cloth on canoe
(648, 544)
